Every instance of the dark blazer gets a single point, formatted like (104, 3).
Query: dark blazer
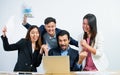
(43, 31)
(73, 56)
(27, 61)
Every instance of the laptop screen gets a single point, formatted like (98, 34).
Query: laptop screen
(56, 64)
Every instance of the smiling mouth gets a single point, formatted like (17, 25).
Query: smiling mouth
(34, 38)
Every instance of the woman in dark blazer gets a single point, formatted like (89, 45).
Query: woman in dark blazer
(29, 56)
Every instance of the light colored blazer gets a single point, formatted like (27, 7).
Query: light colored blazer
(99, 58)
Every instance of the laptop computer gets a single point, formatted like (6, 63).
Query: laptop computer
(56, 64)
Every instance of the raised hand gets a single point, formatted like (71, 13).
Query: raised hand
(4, 30)
(24, 20)
(83, 43)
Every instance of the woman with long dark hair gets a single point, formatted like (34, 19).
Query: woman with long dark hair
(91, 46)
(29, 56)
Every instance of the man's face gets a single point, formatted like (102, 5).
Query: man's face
(50, 28)
(63, 42)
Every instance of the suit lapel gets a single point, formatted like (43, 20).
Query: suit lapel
(73, 55)
(28, 51)
(57, 52)
(70, 52)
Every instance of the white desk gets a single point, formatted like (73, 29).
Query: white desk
(71, 73)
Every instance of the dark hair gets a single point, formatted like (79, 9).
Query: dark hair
(62, 33)
(38, 43)
(92, 22)
(48, 20)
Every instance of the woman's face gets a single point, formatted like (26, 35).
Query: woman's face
(34, 34)
(86, 27)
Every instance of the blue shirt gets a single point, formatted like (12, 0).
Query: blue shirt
(64, 52)
(50, 41)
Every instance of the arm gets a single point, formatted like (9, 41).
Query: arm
(76, 66)
(25, 24)
(99, 44)
(73, 42)
(85, 45)
(37, 56)
(44, 49)
(97, 49)
(82, 56)
(6, 45)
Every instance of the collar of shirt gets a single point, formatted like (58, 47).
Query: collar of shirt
(64, 52)
(51, 37)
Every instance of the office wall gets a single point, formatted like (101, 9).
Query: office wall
(69, 14)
